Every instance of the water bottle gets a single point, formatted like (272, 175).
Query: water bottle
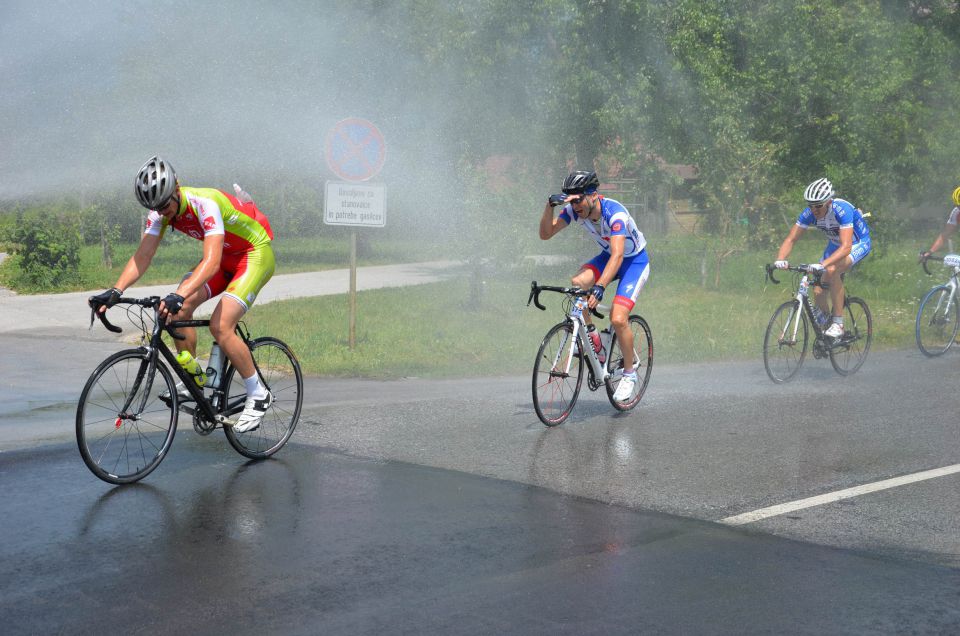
(241, 194)
(605, 337)
(595, 342)
(215, 367)
(191, 366)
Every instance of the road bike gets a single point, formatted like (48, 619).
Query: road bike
(785, 342)
(129, 408)
(938, 317)
(558, 370)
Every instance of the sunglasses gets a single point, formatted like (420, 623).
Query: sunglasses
(817, 206)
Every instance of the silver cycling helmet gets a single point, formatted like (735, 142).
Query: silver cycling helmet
(156, 183)
(818, 191)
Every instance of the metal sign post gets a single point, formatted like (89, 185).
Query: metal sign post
(355, 152)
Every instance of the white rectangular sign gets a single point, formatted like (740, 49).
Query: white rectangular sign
(355, 204)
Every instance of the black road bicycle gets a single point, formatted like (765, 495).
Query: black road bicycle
(785, 342)
(128, 411)
(558, 370)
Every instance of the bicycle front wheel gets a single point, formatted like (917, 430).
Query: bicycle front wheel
(557, 375)
(120, 440)
(785, 342)
(849, 353)
(280, 372)
(937, 321)
(642, 363)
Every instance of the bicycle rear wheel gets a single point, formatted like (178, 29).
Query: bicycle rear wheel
(557, 376)
(937, 321)
(642, 361)
(848, 354)
(280, 372)
(785, 342)
(120, 442)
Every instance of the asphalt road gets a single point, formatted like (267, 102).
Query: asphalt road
(445, 506)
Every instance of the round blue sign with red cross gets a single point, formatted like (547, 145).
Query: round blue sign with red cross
(355, 149)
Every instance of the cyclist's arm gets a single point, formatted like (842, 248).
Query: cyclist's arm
(846, 244)
(549, 225)
(616, 260)
(139, 262)
(209, 265)
(787, 246)
(941, 240)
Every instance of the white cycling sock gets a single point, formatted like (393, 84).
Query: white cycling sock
(254, 388)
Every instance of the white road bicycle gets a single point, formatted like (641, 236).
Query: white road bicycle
(786, 339)
(938, 317)
(558, 370)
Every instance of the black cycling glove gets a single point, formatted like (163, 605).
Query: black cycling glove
(597, 292)
(108, 298)
(556, 199)
(174, 303)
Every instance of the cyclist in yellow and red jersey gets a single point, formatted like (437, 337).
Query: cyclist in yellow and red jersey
(237, 261)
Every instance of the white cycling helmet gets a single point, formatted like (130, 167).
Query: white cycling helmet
(818, 191)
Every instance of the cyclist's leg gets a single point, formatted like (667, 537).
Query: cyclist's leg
(190, 304)
(633, 276)
(819, 297)
(858, 251)
(588, 275)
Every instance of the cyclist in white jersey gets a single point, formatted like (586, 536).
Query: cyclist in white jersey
(949, 228)
(623, 257)
(848, 243)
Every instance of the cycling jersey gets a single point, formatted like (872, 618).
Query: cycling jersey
(247, 262)
(842, 214)
(207, 211)
(614, 221)
(954, 214)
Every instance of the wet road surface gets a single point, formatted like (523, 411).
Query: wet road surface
(317, 542)
(445, 506)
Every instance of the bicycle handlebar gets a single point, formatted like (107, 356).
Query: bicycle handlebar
(535, 290)
(150, 301)
(929, 258)
(803, 269)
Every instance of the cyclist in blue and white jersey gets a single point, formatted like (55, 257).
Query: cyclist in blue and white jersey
(623, 256)
(849, 243)
(949, 228)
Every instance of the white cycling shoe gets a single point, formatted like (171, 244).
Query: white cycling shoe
(182, 393)
(253, 411)
(626, 390)
(835, 330)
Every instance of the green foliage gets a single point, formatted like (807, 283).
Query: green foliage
(46, 246)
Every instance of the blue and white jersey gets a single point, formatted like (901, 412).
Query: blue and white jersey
(614, 221)
(842, 214)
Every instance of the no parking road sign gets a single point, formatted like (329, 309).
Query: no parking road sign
(355, 149)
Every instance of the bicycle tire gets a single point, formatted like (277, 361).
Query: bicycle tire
(280, 372)
(937, 324)
(642, 359)
(555, 390)
(122, 450)
(781, 358)
(849, 355)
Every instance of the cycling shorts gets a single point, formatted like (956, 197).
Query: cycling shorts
(857, 251)
(633, 274)
(242, 276)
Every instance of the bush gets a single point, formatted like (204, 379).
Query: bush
(47, 249)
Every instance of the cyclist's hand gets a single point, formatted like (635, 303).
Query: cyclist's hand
(923, 256)
(556, 199)
(814, 268)
(596, 295)
(781, 264)
(171, 305)
(105, 299)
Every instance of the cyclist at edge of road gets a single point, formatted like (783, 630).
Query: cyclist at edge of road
(237, 261)
(848, 244)
(623, 256)
(949, 228)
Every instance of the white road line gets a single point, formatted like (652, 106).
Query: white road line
(819, 500)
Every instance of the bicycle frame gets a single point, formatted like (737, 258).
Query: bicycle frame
(157, 347)
(953, 283)
(803, 299)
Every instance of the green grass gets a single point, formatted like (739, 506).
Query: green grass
(438, 331)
